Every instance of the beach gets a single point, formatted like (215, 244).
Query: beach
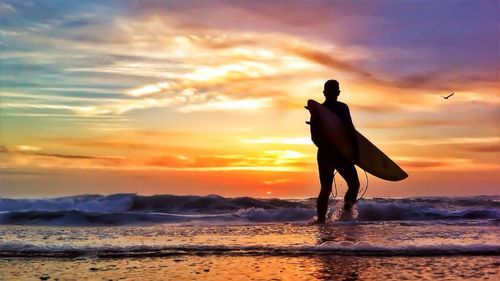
(216, 267)
(131, 237)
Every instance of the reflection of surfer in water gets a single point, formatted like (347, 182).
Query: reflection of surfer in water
(329, 159)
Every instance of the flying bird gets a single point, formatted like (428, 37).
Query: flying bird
(448, 96)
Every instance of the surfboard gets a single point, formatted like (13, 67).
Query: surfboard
(371, 158)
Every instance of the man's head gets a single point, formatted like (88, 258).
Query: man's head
(331, 89)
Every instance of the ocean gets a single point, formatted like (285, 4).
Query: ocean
(166, 237)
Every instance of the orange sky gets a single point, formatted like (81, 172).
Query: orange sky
(191, 98)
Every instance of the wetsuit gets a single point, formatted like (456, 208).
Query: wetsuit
(329, 159)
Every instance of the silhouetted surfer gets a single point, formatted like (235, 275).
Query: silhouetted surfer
(329, 159)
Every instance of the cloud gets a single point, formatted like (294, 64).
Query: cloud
(99, 143)
(375, 108)
(6, 8)
(210, 65)
(144, 143)
(167, 161)
(489, 149)
(95, 109)
(74, 156)
(13, 172)
(27, 148)
(325, 59)
(37, 151)
(221, 103)
(448, 141)
(69, 156)
(279, 159)
(443, 164)
(149, 89)
(203, 86)
(412, 164)
(411, 124)
(276, 140)
(442, 80)
(277, 181)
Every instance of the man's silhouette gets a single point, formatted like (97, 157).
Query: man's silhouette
(330, 159)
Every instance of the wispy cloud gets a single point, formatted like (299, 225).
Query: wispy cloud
(6, 8)
(27, 148)
(448, 141)
(226, 104)
(69, 156)
(277, 181)
(411, 123)
(326, 59)
(99, 143)
(446, 164)
(484, 148)
(37, 151)
(275, 140)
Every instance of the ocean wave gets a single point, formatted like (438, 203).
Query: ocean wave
(393, 211)
(81, 218)
(126, 209)
(326, 248)
(154, 203)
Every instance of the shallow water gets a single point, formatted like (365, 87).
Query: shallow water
(248, 239)
(342, 238)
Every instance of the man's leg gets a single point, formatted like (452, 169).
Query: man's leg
(348, 172)
(325, 168)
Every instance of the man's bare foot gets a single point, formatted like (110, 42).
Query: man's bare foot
(315, 221)
(348, 205)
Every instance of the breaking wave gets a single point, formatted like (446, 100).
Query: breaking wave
(121, 209)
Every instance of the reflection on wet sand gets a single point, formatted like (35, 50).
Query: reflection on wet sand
(339, 267)
(193, 267)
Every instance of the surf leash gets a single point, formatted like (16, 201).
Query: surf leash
(366, 188)
(335, 186)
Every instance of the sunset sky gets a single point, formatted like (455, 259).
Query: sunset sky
(206, 97)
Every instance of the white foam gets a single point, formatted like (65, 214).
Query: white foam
(276, 215)
(333, 248)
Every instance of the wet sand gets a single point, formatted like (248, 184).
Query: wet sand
(189, 267)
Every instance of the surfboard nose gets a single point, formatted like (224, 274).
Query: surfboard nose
(311, 103)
